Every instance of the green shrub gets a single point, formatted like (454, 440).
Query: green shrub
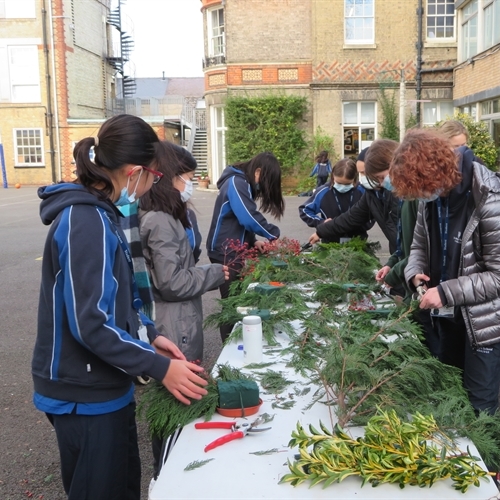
(268, 123)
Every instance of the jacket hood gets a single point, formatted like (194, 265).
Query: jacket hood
(57, 197)
(228, 172)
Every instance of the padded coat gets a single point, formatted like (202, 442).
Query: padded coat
(477, 289)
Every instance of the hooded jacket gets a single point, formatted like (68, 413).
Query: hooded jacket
(236, 216)
(87, 348)
(178, 283)
(380, 205)
(476, 289)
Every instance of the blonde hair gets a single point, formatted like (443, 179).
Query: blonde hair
(452, 128)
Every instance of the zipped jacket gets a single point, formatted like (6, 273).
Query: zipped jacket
(87, 348)
(178, 284)
(476, 290)
(236, 216)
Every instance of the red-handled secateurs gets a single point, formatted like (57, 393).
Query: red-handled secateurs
(239, 430)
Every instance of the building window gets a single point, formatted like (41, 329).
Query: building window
(219, 145)
(491, 23)
(440, 19)
(437, 111)
(17, 9)
(469, 30)
(19, 74)
(28, 147)
(359, 22)
(216, 39)
(358, 124)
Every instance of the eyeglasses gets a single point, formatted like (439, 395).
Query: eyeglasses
(157, 175)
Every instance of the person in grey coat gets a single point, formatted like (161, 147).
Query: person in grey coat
(455, 255)
(170, 240)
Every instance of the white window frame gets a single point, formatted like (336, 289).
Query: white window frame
(216, 33)
(440, 114)
(37, 144)
(432, 7)
(466, 52)
(366, 132)
(17, 9)
(494, 24)
(350, 15)
(218, 130)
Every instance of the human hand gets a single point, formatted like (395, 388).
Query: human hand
(382, 273)
(314, 239)
(166, 347)
(225, 270)
(183, 383)
(327, 220)
(260, 246)
(431, 299)
(419, 278)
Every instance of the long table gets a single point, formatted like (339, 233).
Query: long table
(237, 473)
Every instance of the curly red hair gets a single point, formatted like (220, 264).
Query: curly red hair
(423, 164)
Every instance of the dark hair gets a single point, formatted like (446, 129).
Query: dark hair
(322, 157)
(345, 168)
(269, 192)
(424, 164)
(378, 158)
(121, 140)
(171, 160)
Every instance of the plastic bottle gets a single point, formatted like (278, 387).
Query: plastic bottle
(252, 339)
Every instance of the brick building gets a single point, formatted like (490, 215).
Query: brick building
(337, 53)
(477, 75)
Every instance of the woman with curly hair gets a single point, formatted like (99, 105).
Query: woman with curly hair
(454, 255)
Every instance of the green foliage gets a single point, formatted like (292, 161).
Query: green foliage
(268, 123)
(405, 452)
(390, 120)
(165, 414)
(480, 140)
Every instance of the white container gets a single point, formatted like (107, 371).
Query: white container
(252, 339)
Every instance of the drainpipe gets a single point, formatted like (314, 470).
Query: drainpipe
(48, 114)
(54, 87)
(420, 13)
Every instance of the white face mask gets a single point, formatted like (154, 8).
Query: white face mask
(188, 189)
(363, 180)
(343, 188)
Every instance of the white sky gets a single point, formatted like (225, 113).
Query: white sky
(168, 36)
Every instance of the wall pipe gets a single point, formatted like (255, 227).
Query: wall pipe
(420, 13)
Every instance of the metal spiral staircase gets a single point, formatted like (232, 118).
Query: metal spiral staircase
(119, 62)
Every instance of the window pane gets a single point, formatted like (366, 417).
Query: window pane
(351, 113)
(485, 107)
(446, 110)
(430, 113)
(496, 106)
(368, 112)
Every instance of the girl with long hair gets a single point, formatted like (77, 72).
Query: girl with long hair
(236, 216)
(92, 339)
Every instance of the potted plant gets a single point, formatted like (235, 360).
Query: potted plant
(203, 180)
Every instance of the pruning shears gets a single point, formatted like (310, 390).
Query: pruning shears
(305, 246)
(238, 430)
(421, 289)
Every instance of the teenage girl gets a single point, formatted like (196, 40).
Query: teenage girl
(334, 199)
(236, 216)
(89, 343)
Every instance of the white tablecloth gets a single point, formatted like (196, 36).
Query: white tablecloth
(235, 473)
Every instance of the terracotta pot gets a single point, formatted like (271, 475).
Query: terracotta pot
(203, 183)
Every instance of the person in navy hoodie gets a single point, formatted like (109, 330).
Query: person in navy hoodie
(92, 339)
(236, 216)
(334, 199)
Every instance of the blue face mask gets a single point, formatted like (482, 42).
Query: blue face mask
(125, 198)
(343, 188)
(387, 184)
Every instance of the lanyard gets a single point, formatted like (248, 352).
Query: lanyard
(137, 302)
(444, 220)
(338, 201)
(399, 231)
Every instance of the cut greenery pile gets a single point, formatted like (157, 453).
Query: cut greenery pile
(359, 364)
